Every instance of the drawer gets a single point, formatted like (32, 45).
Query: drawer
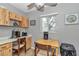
(6, 46)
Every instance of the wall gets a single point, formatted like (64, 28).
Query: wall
(5, 32)
(64, 33)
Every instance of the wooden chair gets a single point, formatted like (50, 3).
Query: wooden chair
(39, 46)
(18, 45)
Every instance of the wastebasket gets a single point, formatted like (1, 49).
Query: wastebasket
(67, 50)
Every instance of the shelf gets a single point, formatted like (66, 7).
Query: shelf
(12, 26)
(15, 19)
(16, 47)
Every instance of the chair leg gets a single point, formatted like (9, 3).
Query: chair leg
(35, 53)
(18, 52)
(25, 49)
(47, 51)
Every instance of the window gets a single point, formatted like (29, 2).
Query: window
(49, 23)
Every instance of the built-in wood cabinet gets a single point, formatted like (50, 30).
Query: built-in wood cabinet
(24, 22)
(14, 16)
(4, 16)
(6, 49)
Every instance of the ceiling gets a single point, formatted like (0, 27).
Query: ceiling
(22, 6)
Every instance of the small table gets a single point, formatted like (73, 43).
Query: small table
(50, 42)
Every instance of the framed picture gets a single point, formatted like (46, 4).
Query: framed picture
(32, 22)
(71, 19)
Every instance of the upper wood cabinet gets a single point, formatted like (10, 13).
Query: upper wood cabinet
(12, 15)
(7, 19)
(27, 22)
(4, 16)
(24, 22)
(18, 18)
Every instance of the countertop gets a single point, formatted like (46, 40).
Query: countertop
(11, 39)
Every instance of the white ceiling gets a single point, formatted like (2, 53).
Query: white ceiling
(22, 6)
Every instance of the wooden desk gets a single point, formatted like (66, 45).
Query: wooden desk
(52, 43)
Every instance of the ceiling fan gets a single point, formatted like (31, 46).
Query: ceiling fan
(40, 6)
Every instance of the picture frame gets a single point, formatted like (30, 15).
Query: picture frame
(32, 22)
(71, 18)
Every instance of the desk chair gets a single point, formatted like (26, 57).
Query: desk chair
(18, 45)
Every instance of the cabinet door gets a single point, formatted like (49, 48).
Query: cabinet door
(12, 15)
(7, 52)
(2, 16)
(0, 52)
(27, 22)
(28, 42)
(6, 49)
(7, 20)
(24, 22)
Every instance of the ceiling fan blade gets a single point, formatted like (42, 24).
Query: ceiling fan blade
(40, 8)
(51, 4)
(30, 6)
